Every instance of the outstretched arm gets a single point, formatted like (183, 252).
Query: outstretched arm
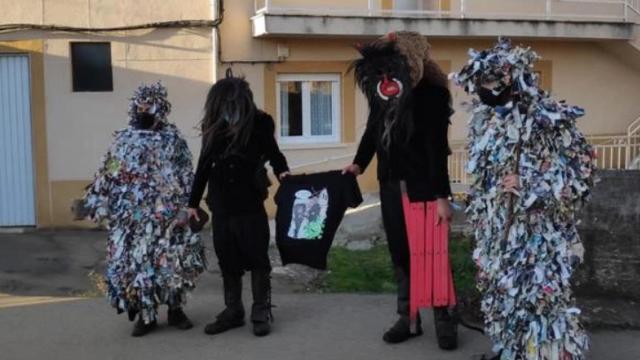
(200, 180)
(97, 194)
(366, 149)
(183, 167)
(272, 151)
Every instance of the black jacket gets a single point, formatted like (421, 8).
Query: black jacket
(233, 188)
(422, 161)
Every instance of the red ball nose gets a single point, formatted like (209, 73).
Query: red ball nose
(389, 88)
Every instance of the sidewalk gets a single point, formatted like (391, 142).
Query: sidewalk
(307, 326)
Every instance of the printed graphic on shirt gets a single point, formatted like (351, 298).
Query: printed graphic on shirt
(309, 215)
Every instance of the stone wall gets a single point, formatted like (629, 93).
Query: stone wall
(610, 230)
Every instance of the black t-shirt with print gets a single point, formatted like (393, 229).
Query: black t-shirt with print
(310, 209)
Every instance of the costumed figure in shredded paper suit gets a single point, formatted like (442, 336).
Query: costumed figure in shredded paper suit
(141, 191)
(532, 168)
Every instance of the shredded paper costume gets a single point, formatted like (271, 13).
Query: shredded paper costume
(142, 184)
(527, 243)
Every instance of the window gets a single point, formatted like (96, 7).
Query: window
(412, 5)
(544, 69)
(91, 64)
(308, 108)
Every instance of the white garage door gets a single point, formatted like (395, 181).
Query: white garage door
(17, 199)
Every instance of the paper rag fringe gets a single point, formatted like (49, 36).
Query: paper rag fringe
(526, 257)
(144, 180)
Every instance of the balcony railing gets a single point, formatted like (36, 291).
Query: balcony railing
(613, 152)
(552, 10)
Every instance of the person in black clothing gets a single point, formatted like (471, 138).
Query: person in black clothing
(407, 129)
(237, 140)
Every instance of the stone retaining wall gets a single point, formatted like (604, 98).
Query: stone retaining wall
(610, 230)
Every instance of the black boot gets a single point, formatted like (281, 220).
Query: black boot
(131, 312)
(233, 315)
(142, 329)
(401, 331)
(487, 356)
(261, 310)
(177, 318)
(446, 329)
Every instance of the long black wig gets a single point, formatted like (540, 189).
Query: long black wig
(229, 114)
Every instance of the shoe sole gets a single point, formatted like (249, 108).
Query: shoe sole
(262, 334)
(146, 332)
(234, 326)
(181, 327)
(411, 336)
(455, 347)
(450, 343)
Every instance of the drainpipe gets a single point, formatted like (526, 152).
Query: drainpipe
(462, 9)
(214, 42)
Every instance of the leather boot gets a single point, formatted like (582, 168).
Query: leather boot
(261, 316)
(141, 328)
(401, 331)
(233, 315)
(487, 356)
(446, 328)
(178, 319)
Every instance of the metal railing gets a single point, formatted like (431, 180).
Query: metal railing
(613, 152)
(633, 144)
(457, 163)
(573, 10)
(618, 152)
(632, 7)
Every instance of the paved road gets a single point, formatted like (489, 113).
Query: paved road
(307, 327)
(37, 269)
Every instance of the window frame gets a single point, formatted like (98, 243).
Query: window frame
(336, 108)
(73, 59)
(544, 69)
